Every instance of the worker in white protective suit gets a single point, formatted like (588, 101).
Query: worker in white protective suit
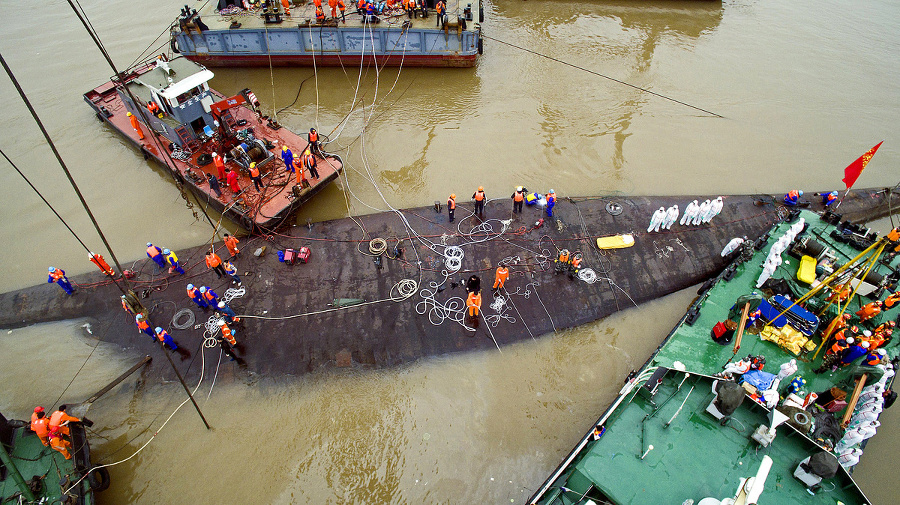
(716, 208)
(732, 246)
(772, 263)
(689, 213)
(671, 217)
(656, 220)
(704, 208)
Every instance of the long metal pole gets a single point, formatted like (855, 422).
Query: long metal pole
(14, 471)
(186, 390)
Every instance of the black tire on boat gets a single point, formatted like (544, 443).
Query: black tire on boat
(98, 477)
(16, 423)
(706, 285)
(204, 159)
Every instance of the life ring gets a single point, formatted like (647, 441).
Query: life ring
(98, 477)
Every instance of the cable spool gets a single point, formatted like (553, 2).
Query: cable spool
(204, 159)
(453, 256)
(377, 246)
(614, 209)
(179, 315)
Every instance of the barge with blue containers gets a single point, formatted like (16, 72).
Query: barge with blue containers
(234, 33)
(220, 148)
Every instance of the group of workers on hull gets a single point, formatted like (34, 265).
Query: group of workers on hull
(520, 197)
(792, 198)
(53, 431)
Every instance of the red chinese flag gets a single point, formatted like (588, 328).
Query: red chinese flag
(851, 173)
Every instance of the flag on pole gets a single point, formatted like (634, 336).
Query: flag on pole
(851, 173)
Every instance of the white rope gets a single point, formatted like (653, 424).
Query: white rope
(587, 275)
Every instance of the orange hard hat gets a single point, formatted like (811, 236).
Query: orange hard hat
(453, 195)
(480, 188)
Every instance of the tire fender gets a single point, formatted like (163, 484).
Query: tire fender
(98, 477)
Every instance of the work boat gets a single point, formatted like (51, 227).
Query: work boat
(252, 33)
(181, 123)
(768, 388)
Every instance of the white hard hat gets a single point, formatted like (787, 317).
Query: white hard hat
(166, 251)
(203, 289)
(221, 322)
(865, 345)
(52, 269)
(881, 352)
(158, 329)
(221, 304)
(190, 286)
(149, 244)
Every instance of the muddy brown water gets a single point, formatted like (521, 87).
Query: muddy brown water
(805, 88)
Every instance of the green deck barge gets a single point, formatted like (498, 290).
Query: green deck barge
(693, 456)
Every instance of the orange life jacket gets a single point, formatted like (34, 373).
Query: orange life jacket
(440, 7)
(479, 196)
(231, 243)
(313, 137)
(59, 417)
(551, 195)
(162, 335)
(361, 4)
(318, 3)
(341, 5)
(474, 300)
(576, 262)
(42, 428)
(451, 203)
(892, 300)
(519, 196)
(142, 324)
(208, 296)
(213, 260)
(192, 293)
(153, 251)
(320, 15)
(226, 334)
(309, 160)
(57, 274)
(837, 347)
(332, 4)
(254, 172)
(502, 274)
(563, 257)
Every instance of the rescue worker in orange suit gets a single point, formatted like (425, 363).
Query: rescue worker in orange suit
(892, 300)
(287, 7)
(227, 333)
(59, 444)
(195, 295)
(320, 14)
(301, 177)
(441, 10)
(451, 206)
(155, 253)
(231, 243)
(869, 310)
(575, 265)
(141, 322)
(209, 296)
(101, 263)
(793, 197)
(411, 9)
(58, 275)
(333, 5)
(479, 198)
(834, 354)
(518, 198)
(60, 419)
(231, 177)
(136, 125)
(255, 177)
(220, 166)
(474, 304)
(309, 161)
(214, 262)
(40, 425)
(562, 261)
(361, 7)
(343, 7)
(500, 276)
(154, 109)
(313, 139)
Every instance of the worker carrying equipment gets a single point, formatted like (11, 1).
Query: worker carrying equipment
(501, 276)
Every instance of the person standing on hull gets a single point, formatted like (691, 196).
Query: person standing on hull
(58, 275)
(479, 198)
(309, 162)
(313, 139)
(214, 262)
(518, 198)
(451, 206)
(287, 156)
(551, 202)
(231, 243)
(137, 128)
(155, 253)
(214, 185)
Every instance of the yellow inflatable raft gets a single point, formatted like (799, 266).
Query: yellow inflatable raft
(615, 242)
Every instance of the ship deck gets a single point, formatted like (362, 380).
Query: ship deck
(251, 208)
(695, 457)
(58, 473)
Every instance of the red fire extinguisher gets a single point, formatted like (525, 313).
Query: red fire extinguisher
(539, 223)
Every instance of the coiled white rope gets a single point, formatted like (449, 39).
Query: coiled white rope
(453, 256)
(587, 275)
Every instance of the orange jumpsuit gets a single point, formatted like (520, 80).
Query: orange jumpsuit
(228, 335)
(287, 7)
(231, 243)
(101, 263)
(137, 126)
(474, 303)
(500, 277)
(60, 444)
(869, 310)
(41, 427)
(298, 169)
(892, 300)
(58, 418)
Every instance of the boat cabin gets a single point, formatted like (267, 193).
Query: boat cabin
(176, 99)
